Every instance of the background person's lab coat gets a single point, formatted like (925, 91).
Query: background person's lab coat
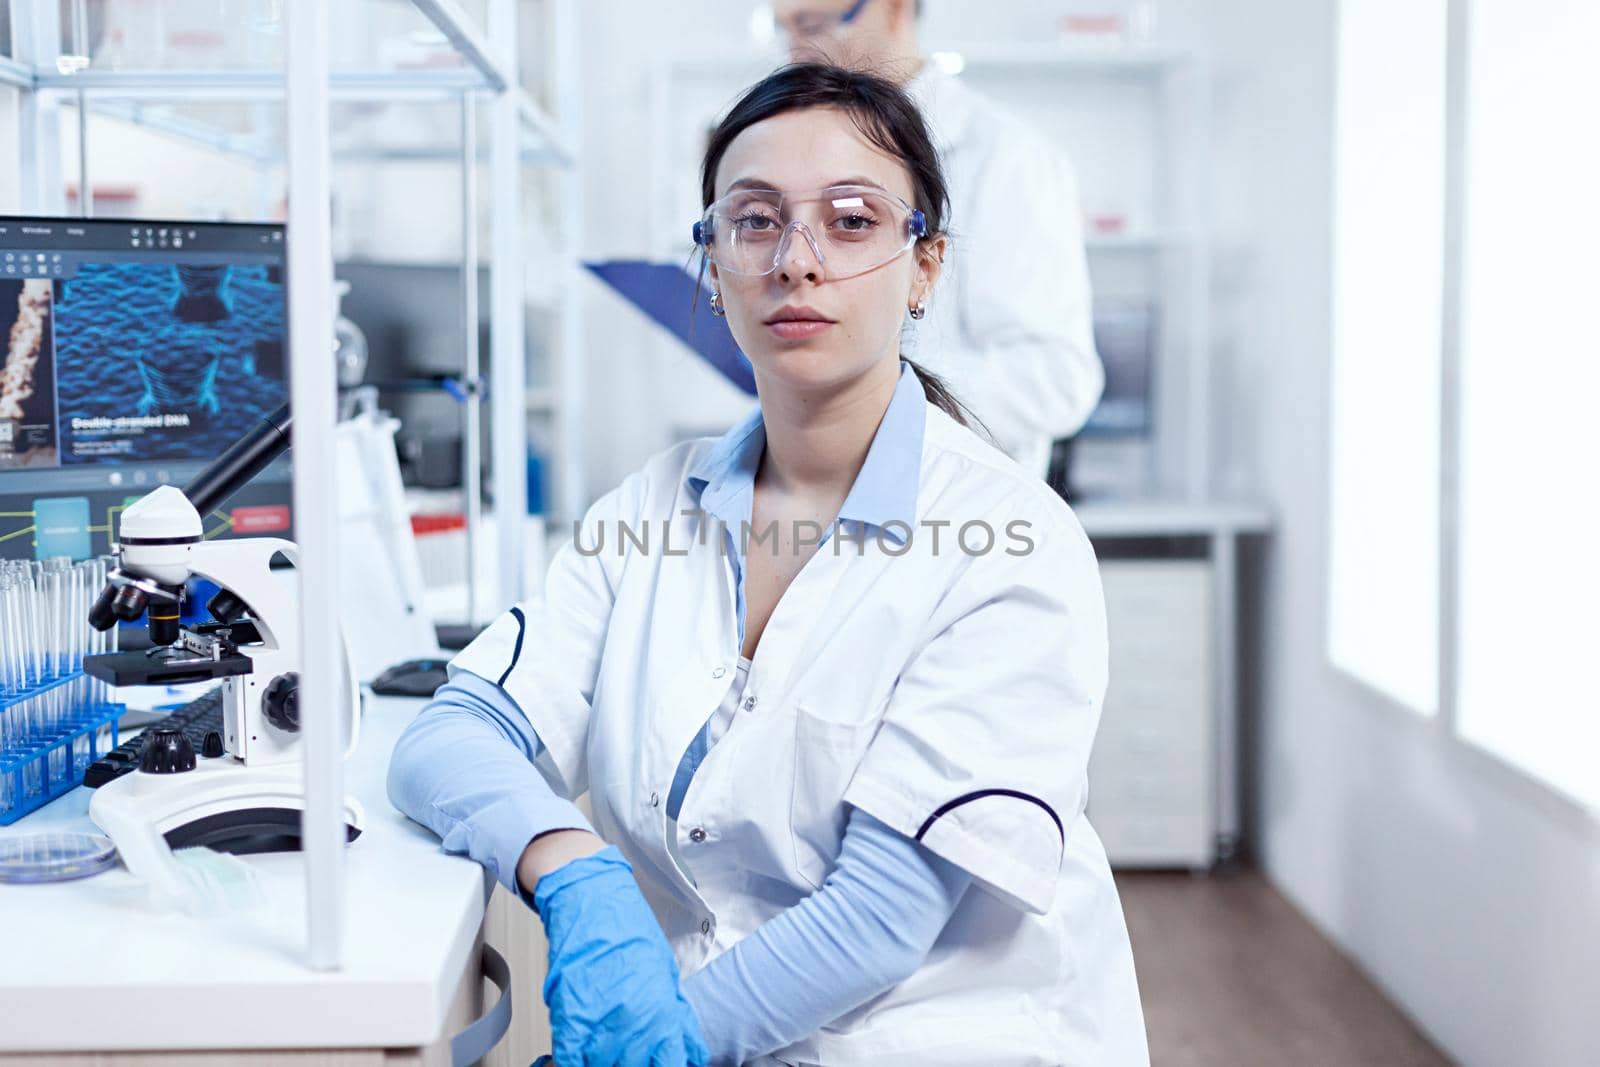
(1010, 324)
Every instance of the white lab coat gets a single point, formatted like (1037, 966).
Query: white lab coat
(952, 695)
(1010, 324)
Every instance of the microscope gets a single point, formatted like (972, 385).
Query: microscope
(246, 794)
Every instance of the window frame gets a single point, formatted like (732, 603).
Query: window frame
(1443, 723)
(1364, 681)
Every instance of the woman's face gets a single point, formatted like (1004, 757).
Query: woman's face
(860, 317)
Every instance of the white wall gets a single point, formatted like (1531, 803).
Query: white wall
(1470, 895)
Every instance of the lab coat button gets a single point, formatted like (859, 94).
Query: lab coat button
(750, 702)
(705, 927)
(655, 800)
(719, 672)
(697, 835)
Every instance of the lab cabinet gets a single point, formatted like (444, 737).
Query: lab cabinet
(1152, 772)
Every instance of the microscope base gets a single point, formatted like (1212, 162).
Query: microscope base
(222, 804)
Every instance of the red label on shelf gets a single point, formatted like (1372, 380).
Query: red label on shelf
(268, 518)
(422, 525)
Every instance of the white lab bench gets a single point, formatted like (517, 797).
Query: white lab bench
(89, 967)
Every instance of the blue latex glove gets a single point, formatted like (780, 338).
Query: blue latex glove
(613, 984)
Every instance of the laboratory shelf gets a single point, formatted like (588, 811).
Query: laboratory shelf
(1160, 517)
(1111, 57)
(287, 87)
(408, 82)
(1134, 242)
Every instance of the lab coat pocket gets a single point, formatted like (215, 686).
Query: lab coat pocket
(826, 754)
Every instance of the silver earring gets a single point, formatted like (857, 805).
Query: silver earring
(919, 310)
(716, 305)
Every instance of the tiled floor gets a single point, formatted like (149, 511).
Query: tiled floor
(1232, 976)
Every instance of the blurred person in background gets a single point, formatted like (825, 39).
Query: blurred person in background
(1011, 329)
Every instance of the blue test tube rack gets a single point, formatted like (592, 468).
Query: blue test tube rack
(38, 766)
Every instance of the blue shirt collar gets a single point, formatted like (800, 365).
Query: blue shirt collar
(885, 489)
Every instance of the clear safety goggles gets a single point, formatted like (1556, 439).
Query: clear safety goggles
(850, 229)
(810, 24)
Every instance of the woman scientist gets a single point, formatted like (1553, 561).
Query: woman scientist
(831, 680)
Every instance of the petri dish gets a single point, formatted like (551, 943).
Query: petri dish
(54, 857)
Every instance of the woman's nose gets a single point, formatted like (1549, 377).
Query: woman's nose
(799, 256)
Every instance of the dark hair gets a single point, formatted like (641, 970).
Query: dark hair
(887, 117)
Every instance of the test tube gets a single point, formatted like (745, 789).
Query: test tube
(83, 699)
(8, 637)
(7, 714)
(91, 571)
(28, 612)
(87, 591)
(47, 646)
(7, 645)
(16, 640)
(12, 625)
(18, 650)
(114, 637)
(23, 605)
(32, 668)
(102, 640)
(71, 622)
(17, 645)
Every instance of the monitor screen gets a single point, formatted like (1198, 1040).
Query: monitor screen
(134, 352)
(1124, 336)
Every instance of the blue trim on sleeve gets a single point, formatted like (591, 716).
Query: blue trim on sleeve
(979, 794)
(516, 652)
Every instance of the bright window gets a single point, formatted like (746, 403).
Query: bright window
(1530, 390)
(1388, 293)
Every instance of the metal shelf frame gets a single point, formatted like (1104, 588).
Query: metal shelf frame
(306, 86)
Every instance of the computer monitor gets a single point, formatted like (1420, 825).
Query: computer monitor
(131, 353)
(1124, 336)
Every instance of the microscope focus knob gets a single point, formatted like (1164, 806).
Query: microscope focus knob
(280, 703)
(167, 751)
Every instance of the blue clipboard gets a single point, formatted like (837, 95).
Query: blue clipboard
(666, 293)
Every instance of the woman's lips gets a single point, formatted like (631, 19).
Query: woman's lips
(798, 329)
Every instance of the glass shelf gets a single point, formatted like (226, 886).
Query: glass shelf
(246, 37)
(197, 68)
